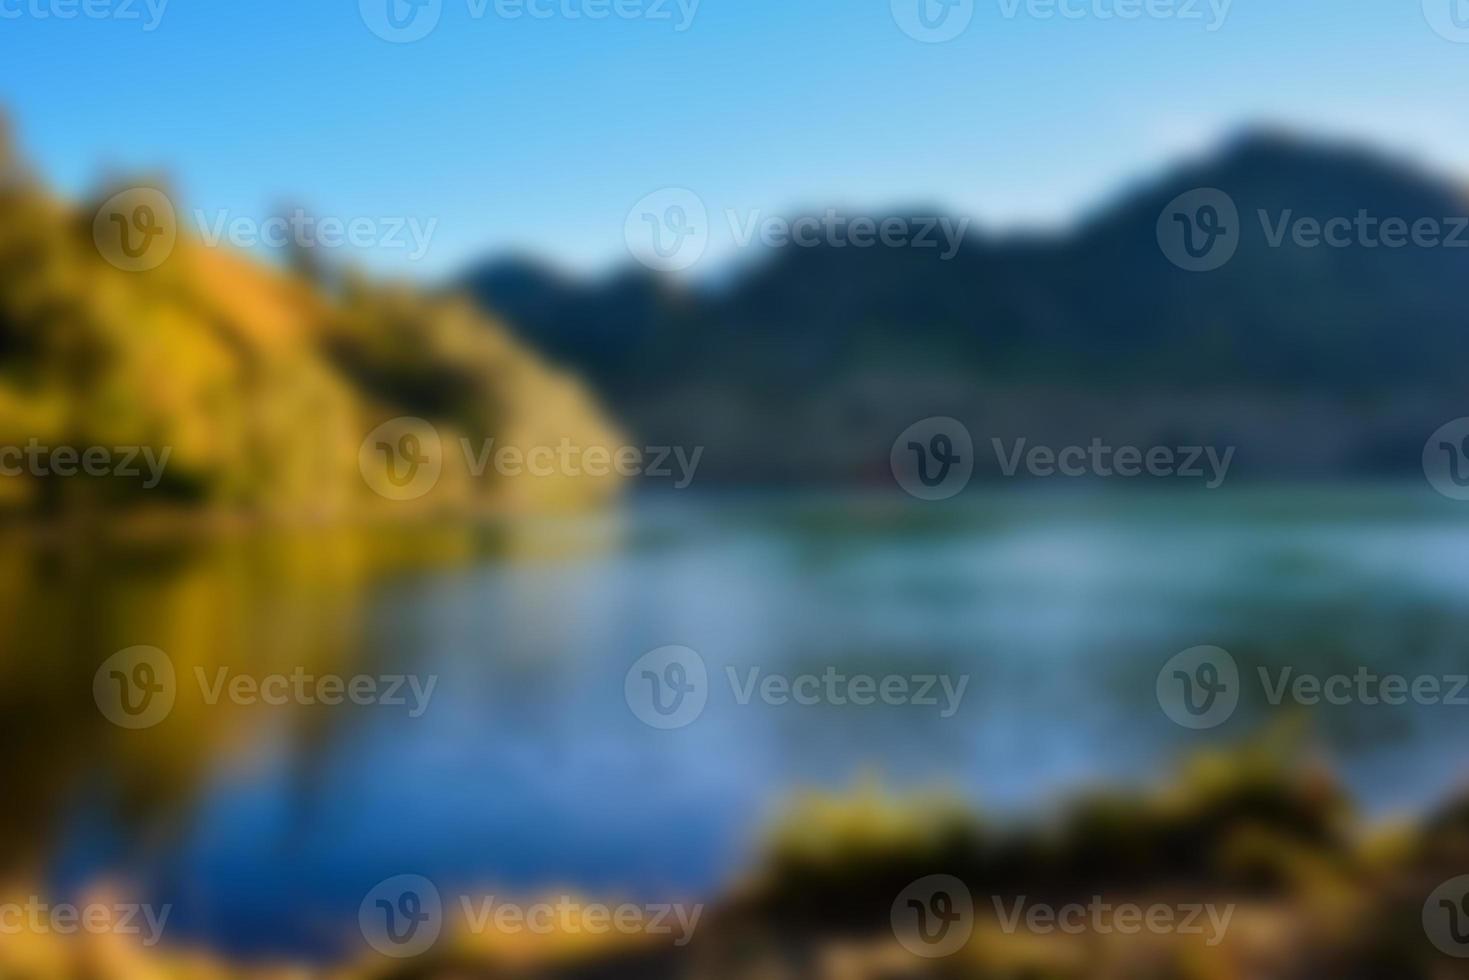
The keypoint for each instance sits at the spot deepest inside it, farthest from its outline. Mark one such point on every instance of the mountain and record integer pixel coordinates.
(1313, 360)
(260, 385)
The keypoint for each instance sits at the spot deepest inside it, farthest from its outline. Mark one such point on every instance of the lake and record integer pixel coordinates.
(530, 769)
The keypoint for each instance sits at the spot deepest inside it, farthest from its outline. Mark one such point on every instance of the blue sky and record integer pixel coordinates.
(539, 134)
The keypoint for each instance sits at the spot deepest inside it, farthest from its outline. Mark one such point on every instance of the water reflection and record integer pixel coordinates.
(528, 770)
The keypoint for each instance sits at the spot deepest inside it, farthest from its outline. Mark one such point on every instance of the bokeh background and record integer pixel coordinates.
(298, 412)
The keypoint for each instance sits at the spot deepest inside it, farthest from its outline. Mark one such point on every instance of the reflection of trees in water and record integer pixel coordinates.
(256, 604)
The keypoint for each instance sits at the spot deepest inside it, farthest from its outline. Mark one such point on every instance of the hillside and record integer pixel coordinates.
(1316, 361)
(261, 385)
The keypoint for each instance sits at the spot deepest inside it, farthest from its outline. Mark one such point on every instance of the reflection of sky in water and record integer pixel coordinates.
(529, 772)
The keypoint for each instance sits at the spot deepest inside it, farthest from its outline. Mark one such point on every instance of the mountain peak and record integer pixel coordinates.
(1282, 154)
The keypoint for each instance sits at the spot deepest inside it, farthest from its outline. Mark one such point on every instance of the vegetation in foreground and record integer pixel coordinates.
(1315, 893)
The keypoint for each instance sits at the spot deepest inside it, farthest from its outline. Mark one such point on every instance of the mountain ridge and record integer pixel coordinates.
(1067, 325)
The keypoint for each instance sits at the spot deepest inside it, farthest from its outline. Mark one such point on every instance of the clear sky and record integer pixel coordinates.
(539, 133)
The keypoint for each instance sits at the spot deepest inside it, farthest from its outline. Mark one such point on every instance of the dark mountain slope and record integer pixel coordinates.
(1318, 360)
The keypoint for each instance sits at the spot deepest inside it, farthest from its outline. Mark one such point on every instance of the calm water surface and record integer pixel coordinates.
(529, 772)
